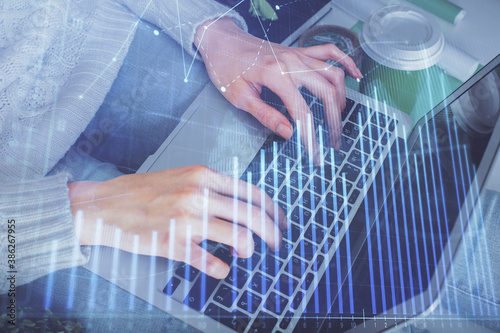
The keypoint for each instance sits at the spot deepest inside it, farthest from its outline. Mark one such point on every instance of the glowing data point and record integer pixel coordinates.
(282, 73)
(223, 89)
(205, 27)
(326, 68)
(359, 80)
(156, 32)
(277, 7)
(80, 97)
(186, 80)
(114, 59)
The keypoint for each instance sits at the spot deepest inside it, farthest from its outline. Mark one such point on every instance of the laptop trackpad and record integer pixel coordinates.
(215, 139)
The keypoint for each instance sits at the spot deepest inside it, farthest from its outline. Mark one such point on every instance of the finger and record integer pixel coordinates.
(333, 74)
(247, 194)
(333, 98)
(239, 238)
(299, 110)
(268, 116)
(331, 52)
(206, 262)
(249, 216)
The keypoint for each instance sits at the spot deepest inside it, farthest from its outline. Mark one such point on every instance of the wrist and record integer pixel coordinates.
(82, 196)
(220, 25)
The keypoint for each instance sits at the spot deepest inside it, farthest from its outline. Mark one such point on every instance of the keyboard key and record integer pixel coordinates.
(249, 263)
(360, 114)
(357, 158)
(337, 157)
(187, 272)
(306, 250)
(392, 125)
(281, 163)
(362, 181)
(319, 185)
(288, 195)
(298, 180)
(353, 197)
(271, 265)
(335, 230)
(264, 323)
(334, 202)
(310, 200)
(346, 144)
(274, 178)
(379, 119)
(286, 285)
(373, 132)
(235, 320)
(258, 244)
(260, 283)
(342, 186)
(318, 262)
(350, 130)
(297, 300)
(171, 286)
(237, 277)
(224, 254)
(225, 295)
(287, 318)
(378, 152)
(275, 303)
(365, 145)
(292, 233)
(269, 190)
(385, 138)
(249, 301)
(349, 103)
(290, 150)
(324, 217)
(300, 215)
(306, 165)
(350, 172)
(315, 233)
(369, 167)
(328, 171)
(328, 244)
(296, 267)
(284, 251)
(286, 208)
(200, 292)
(308, 281)
(345, 212)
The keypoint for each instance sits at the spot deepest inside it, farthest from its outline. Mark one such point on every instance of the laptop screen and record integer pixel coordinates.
(420, 211)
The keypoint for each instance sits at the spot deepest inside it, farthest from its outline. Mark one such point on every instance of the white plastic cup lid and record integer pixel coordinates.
(403, 38)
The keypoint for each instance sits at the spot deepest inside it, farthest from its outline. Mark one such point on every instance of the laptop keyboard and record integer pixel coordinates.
(269, 291)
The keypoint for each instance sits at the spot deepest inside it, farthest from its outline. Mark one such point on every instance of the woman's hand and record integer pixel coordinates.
(240, 65)
(180, 208)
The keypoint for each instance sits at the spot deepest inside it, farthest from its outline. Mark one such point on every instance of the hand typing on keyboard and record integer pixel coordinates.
(168, 213)
(240, 65)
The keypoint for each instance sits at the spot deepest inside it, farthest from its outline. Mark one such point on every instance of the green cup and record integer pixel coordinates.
(401, 46)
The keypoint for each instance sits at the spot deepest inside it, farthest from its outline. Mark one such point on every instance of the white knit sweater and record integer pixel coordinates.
(58, 60)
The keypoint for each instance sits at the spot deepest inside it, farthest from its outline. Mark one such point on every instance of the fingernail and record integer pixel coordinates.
(284, 131)
(360, 75)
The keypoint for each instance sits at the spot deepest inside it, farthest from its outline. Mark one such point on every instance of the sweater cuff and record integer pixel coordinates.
(194, 16)
(44, 237)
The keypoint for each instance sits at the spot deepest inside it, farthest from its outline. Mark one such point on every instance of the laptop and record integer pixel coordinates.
(360, 252)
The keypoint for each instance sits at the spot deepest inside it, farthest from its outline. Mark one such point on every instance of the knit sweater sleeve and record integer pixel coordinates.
(180, 18)
(38, 236)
